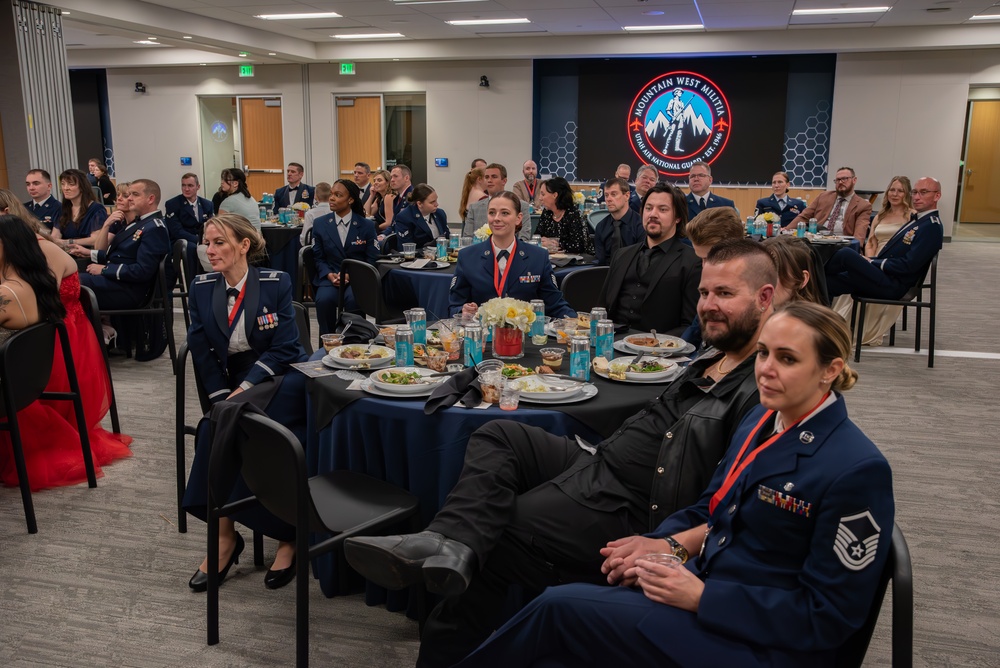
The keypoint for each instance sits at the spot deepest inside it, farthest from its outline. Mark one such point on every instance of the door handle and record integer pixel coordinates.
(265, 171)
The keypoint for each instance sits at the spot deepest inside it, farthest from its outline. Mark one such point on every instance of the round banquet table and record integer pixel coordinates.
(429, 288)
(393, 440)
(282, 244)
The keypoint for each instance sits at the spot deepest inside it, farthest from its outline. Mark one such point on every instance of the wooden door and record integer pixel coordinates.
(981, 179)
(263, 152)
(359, 132)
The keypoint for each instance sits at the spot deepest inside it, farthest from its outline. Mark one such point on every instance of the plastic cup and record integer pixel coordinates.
(437, 360)
(331, 341)
(510, 396)
(491, 383)
(668, 560)
(409, 251)
(553, 357)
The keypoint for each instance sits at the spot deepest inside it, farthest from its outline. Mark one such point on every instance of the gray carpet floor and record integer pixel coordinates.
(104, 582)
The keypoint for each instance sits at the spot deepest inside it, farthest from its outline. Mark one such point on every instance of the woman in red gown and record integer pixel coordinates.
(48, 428)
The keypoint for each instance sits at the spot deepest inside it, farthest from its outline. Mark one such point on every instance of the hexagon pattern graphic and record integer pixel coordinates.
(807, 152)
(557, 153)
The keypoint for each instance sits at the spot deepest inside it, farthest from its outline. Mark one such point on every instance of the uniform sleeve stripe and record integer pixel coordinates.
(217, 393)
(264, 367)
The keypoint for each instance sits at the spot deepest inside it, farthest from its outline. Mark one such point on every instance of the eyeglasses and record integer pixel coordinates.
(923, 193)
(842, 179)
(697, 176)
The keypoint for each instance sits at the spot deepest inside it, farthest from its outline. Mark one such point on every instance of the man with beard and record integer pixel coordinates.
(653, 284)
(535, 509)
(841, 210)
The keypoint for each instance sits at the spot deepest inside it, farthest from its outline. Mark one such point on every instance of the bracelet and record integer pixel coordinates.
(677, 549)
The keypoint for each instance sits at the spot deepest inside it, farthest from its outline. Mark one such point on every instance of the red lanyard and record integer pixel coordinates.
(738, 466)
(236, 305)
(498, 282)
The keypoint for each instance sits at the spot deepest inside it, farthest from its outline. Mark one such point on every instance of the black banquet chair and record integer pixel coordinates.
(914, 298)
(25, 365)
(158, 302)
(582, 288)
(342, 503)
(89, 302)
(899, 570)
(366, 284)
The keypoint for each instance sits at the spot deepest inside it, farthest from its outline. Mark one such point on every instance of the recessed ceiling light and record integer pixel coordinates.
(272, 53)
(486, 22)
(203, 64)
(243, 54)
(985, 17)
(302, 15)
(65, 13)
(691, 26)
(377, 35)
(152, 38)
(653, 12)
(144, 41)
(186, 37)
(840, 10)
(432, 2)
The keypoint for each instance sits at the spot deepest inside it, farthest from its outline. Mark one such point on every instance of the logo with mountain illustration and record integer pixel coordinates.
(677, 119)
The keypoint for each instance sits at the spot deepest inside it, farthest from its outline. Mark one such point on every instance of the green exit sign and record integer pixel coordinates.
(347, 68)
(246, 70)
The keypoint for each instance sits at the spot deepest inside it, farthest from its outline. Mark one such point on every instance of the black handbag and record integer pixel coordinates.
(355, 328)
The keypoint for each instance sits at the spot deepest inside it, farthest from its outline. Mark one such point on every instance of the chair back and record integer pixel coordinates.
(366, 284)
(389, 244)
(181, 271)
(88, 300)
(305, 274)
(25, 365)
(898, 569)
(918, 288)
(273, 464)
(596, 216)
(582, 288)
(302, 323)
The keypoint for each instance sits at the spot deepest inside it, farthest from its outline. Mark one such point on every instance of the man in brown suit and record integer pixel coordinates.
(841, 211)
(527, 188)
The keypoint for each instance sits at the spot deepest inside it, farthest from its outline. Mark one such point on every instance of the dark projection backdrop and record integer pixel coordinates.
(777, 116)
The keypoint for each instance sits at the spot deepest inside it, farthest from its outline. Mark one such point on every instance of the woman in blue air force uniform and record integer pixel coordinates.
(242, 338)
(422, 222)
(523, 272)
(780, 203)
(343, 234)
(787, 544)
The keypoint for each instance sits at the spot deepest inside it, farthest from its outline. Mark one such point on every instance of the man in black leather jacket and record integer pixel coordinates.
(534, 509)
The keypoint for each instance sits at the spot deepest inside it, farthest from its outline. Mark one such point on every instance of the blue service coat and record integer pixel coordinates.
(896, 269)
(530, 277)
(92, 220)
(304, 193)
(635, 202)
(793, 207)
(604, 234)
(790, 565)
(47, 212)
(131, 263)
(185, 221)
(268, 321)
(711, 202)
(329, 252)
(401, 201)
(412, 227)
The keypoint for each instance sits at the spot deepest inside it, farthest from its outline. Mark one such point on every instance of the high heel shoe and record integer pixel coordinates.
(276, 579)
(199, 581)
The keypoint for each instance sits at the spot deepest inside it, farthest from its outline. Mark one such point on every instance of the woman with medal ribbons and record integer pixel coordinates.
(242, 338)
(781, 555)
(502, 266)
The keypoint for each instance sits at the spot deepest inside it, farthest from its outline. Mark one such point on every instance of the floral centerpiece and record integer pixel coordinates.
(300, 209)
(510, 319)
(579, 199)
(483, 233)
(765, 219)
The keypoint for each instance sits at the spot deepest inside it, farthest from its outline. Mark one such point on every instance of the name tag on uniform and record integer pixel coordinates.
(267, 321)
(783, 501)
(530, 278)
(359, 242)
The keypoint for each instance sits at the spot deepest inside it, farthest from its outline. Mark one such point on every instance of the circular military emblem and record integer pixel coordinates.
(676, 119)
(219, 131)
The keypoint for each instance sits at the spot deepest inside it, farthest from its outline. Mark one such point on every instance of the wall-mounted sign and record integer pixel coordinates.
(185, 162)
(440, 162)
(347, 68)
(677, 119)
(246, 70)
(219, 132)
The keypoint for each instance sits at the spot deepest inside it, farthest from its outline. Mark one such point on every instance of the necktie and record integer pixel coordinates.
(642, 262)
(701, 202)
(502, 258)
(342, 230)
(781, 204)
(616, 240)
(232, 294)
(831, 222)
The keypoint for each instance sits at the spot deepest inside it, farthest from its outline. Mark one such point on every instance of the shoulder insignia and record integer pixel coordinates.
(159, 222)
(206, 278)
(935, 219)
(857, 540)
(454, 280)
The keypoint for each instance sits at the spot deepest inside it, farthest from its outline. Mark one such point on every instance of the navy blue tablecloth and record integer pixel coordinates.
(282, 244)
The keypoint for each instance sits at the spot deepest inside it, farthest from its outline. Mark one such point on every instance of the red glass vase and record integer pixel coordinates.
(508, 342)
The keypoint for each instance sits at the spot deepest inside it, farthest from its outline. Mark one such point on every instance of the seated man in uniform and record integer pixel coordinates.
(654, 284)
(42, 204)
(505, 520)
(123, 275)
(187, 213)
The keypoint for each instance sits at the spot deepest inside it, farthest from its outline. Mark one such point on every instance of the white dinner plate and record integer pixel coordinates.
(368, 386)
(335, 362)
(678, 343)
(589, 392)
(642, 378)
(622, 347)
(669, 368)
(415, 389)
(430, 265)
(558, 389)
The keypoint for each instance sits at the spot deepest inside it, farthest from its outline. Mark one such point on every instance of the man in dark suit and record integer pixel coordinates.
(701, 197)
(621, 227)
(654, 285)
(362, 178)
(295, 191)
(187, 213)
(122, 275)
(841, 210)
(624, 171)
(42, 204)
(645, 178)
(903, 259)
(400, 181)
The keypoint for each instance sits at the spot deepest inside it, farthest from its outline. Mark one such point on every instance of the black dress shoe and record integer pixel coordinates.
(397, 562)
(278, 579)
(199, 581)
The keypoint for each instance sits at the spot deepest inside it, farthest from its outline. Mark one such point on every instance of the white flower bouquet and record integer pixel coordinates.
(483, 233)
(507, 312)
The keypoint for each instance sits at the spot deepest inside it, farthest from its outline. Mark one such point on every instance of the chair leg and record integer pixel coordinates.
(916, 332)
(859, 333)
(81, 419)
(213, 576)
(930, 337)
(302, 562)
(892, 332)
(180, 436)
(904, 320)
(258, 549)
(22, 473)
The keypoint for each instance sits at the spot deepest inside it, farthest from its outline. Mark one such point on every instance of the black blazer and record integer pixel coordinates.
(672, 298)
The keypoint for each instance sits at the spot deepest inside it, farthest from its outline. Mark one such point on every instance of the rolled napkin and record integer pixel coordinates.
(562, 261)
(463, 386)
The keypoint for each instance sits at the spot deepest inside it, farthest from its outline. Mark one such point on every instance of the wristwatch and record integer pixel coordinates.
(677, 549)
